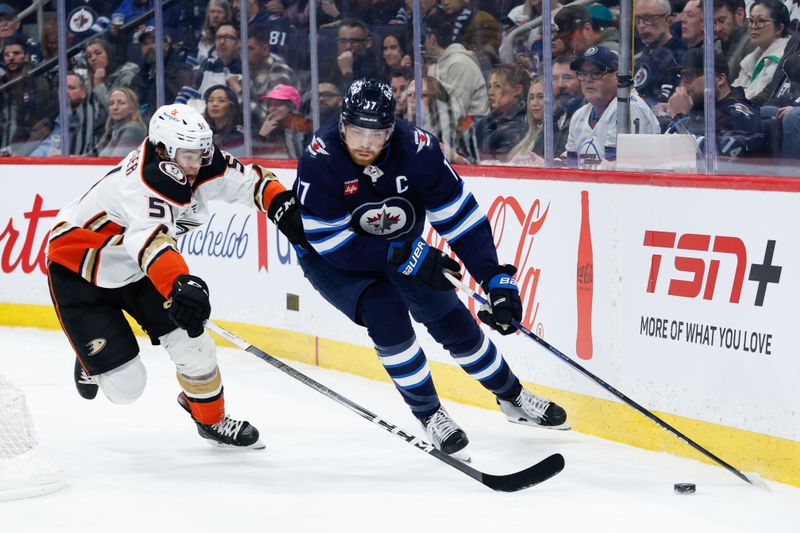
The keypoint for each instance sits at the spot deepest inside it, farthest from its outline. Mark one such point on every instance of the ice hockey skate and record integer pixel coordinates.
(228, 432)
(446, 435)
(87, 387)
(532, 410)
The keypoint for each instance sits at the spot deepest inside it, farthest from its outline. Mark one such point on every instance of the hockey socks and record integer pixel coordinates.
(204, 396)
(408, 367)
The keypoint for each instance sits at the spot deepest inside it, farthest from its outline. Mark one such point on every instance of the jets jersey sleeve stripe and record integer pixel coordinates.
(333, 242)
(314, 225)
(446, 212)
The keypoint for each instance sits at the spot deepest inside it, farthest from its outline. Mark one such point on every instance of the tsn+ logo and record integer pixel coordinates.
(703, 265)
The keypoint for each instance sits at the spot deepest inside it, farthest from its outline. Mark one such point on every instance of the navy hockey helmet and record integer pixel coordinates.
(368, 104)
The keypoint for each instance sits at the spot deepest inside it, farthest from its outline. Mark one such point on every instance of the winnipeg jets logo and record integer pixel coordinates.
(640, 78)
(81, 20)
(173, 171)
(95, 346)
(421, 139)
(390, 218)
(316, 147)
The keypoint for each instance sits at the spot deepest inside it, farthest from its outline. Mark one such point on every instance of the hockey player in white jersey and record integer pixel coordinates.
(113, 249)
(592, 137)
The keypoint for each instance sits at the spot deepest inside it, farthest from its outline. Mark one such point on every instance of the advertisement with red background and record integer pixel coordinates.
(654, 286)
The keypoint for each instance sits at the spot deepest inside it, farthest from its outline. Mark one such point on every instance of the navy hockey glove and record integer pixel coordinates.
(284, 212)
(503, 295)
(190, 307)
(423, 263)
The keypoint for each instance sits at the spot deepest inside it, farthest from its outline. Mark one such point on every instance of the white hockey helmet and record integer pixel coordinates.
(181, 126)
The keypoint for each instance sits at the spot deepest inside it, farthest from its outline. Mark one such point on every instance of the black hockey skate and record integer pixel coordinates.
(87, 387)
(446, 435)
(228, 432)
(532, 410)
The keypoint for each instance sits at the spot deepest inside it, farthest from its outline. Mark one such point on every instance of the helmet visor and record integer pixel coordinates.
(192, 157)
(359, 138)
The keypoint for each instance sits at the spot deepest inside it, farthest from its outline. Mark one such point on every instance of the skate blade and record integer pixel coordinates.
(257, 445)
(525, 422)
(461, 455)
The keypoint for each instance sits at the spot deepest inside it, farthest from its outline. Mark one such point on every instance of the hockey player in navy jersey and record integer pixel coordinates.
(114, 249)
(365, 187)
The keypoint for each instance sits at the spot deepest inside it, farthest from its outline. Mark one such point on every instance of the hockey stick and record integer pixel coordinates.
(480, 299)
(533, 475)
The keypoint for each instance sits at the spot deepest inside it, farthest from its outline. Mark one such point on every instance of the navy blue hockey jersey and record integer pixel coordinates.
(351, 213)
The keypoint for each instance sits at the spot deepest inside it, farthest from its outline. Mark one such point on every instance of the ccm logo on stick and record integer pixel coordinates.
(704, 270)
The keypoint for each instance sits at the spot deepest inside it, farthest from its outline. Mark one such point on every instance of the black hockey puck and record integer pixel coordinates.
(685, 488)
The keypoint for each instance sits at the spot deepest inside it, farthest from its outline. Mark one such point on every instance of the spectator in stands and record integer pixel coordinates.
(403, 15)
(49, 39)
(398, 81)
(739, 132)
(267, 16)
(104, 71)
(24, 106)
(86, 121)
(223, 114)
(224, 67)
(395, 56)
(438, 117)
(525, 12)
(10, 26)
(217, 12)
(355, 57)
(529, 151)
(146, 81)
(784, 99)
(580, 31)
(505, 125)
(281, 134)
(456, 67)
(692, 23)
(125, 129)
(266, 71)
(655, 76)
(730, 29)
(330, 102)
(477, 30)
(592, 138)
(567, 97)
(769, 31)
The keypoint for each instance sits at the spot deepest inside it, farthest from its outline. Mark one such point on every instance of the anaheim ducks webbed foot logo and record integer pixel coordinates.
(390, 218)
(95, 346)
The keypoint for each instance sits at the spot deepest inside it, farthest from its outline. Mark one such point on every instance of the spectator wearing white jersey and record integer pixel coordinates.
(593, 130)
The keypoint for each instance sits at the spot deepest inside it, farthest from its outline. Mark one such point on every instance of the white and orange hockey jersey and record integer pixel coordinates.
(126, 225)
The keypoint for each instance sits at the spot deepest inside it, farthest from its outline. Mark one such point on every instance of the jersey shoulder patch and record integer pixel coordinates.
(165, 178)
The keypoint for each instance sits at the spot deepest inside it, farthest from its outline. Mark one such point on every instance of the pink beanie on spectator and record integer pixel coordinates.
(283, 92)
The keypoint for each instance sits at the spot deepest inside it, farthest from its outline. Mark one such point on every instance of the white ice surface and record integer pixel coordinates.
(143, 468)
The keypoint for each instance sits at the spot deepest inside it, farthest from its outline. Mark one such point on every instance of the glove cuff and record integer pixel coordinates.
(501, 277)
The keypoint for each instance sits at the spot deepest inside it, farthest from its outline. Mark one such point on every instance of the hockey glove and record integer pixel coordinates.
(423, 263)
(284, 212)
(503, 295)
(190, 307)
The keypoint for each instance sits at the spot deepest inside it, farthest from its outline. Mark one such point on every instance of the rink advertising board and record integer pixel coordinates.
(677, 290)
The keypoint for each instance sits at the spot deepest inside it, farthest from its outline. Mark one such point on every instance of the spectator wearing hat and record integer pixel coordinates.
(580, 31)
(739, 132)
(266, 71)
(730, 30)
(655, 75)
(10, 27)
(24, 106)
(280, 136)
(593, 130)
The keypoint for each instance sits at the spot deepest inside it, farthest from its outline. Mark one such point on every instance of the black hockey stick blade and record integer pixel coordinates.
(533, 475)
(457, 283)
